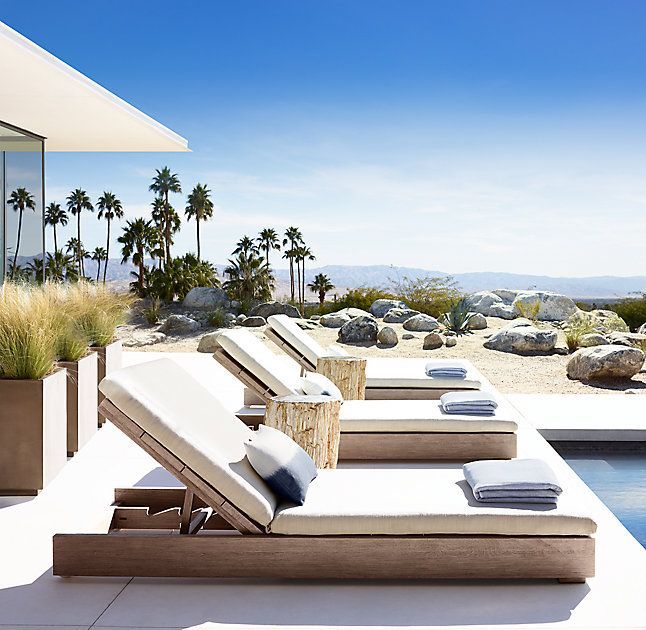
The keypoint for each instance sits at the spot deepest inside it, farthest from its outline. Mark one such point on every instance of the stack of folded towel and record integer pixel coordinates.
(446, 369)
(473, 403)
(512, 481)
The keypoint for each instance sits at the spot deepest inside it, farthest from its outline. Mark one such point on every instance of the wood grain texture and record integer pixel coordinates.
(153, 554)
(109, 360)
(347, 373)
(312, 422)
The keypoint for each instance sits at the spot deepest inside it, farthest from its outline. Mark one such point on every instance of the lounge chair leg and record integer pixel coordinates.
(187, 509)
(571, 580)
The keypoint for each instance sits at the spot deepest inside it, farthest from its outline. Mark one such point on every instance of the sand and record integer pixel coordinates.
(509, 373)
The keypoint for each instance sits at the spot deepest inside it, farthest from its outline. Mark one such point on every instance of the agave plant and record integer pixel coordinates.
(458, 318)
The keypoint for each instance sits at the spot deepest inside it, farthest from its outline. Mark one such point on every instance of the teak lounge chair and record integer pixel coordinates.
(386, 378)
(365, 524)
(373, 429)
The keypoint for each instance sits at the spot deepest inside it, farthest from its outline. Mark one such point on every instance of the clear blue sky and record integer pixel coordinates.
(461, 136)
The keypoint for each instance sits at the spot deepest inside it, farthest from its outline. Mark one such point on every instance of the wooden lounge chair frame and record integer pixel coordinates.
(388, 445)
(372, 393)
(196, 532)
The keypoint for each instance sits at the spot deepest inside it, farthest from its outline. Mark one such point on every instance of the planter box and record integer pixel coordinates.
(109, 360)
(82, 400)
(33, 433)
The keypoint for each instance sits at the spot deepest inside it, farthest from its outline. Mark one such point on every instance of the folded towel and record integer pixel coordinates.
(475, 403)
(512, 481)
(446, 369)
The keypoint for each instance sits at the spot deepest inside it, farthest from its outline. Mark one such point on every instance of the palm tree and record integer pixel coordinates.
(139, 237)
(302, 254)
(249, 279)
(55, 215)
(293, 237)
(78, 201)
(98, 255)
(321, 285)
(268, 240)
(61, 267)
(20, 199)
(245, 246)
(165, 182)
(73, 246)
(111, 208)
(199, 206)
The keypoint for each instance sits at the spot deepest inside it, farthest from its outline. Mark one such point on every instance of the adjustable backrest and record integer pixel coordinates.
(290, 332)
(191, 423)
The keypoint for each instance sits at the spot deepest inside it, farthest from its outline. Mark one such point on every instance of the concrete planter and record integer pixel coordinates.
(33, 432)
(82, 400)
(109, 361)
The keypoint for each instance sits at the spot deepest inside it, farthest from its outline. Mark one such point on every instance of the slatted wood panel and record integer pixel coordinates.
(289, 350)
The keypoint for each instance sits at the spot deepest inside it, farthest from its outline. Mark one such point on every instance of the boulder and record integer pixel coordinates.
(552, 306)
(267, 309)
(387, 336)
(241, 318)
(209, 343)
(593, 339)
(334, 320)
(627, 338)
(642, 329)
(421, 323)
(354, 312)
(433, 341)
(450, 342)
(315, 318)
(483, 301)
(504, 311)
(380, 307)
(506, 295)
(359, 330)
(522, 338)
(477, 322)
(608, 321)
(408, 336)
(399, 315)
(254, 321)
(179, 325)
(605, 363)
(139, 339)
(206, 298)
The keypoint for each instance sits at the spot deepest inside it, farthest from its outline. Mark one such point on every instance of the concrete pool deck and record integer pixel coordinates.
(78, 500)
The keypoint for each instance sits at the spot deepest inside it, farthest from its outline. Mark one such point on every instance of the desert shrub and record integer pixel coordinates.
(362, 298)
(218, 318)
(584, 306)
(152, 312)
(178, 277)
(631, 310)
(577, 326)
(27, 334)
(431, 295)
(529, 311)
(457, 319)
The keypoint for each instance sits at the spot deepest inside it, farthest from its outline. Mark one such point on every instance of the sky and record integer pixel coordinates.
(455, 136)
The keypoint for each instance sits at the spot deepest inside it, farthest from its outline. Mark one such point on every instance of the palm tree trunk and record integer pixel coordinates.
(15, 256)
(197, 221)
(303, 291)
(107, 253)
(141, 273)
(98, 269)
(167, 229)
(55, 239)
(291, 277)
(78, 244)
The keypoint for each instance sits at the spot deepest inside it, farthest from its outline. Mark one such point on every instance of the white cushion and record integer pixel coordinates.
(421, 501)
(336, 351)
(245, 348)
(314, 384)
(289, 331)
(419, 416)
(411, 373)
(167, 403)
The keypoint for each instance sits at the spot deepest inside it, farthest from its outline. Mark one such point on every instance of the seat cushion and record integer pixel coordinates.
(252, 354)
(411, 373)
(314, 384)
(420, 501)
(290, 332)
(419, 416)
(183, 416)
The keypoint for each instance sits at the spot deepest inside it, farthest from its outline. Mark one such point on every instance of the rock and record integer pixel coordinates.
(408, 336)
(354, 312)
(399, 315)
(209, 343)
(593, 339)
(241, 318)
(387, 336)
(334, 320)
(380, 307)
(179, 325)
(504, 311)
(421, 323)
(627, 339)
(267, 309)
(359, 330)
(206, 298)
(433, 341)
(254, 321)
(522, 338)
(506, 295)
(608, 321)
(139, 339)
(450, 342)
(642, 329)
(552, 306)
(477, 322)
(605, 363)
(305, 325)
(315, 318)
(483, 301)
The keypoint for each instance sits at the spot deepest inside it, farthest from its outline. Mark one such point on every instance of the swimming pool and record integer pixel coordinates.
(618, 479)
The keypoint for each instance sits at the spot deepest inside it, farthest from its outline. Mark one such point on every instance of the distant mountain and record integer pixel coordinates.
(352, 276)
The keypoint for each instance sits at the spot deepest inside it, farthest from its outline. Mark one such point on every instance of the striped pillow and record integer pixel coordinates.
(286, 468)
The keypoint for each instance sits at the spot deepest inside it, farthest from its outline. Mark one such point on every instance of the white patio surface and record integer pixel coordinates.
(78, 501)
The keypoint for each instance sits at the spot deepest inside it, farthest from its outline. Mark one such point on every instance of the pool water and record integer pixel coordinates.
(619, 480)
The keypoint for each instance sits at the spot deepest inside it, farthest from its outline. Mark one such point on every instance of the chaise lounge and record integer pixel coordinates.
(373, 429)
(361, 524)
(386, 378)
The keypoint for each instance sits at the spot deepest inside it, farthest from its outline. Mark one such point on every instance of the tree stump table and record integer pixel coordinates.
(347, 373)
(312, 422)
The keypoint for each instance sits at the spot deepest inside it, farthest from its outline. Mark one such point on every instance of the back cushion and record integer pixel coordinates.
(166, 402)
(287, 329)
